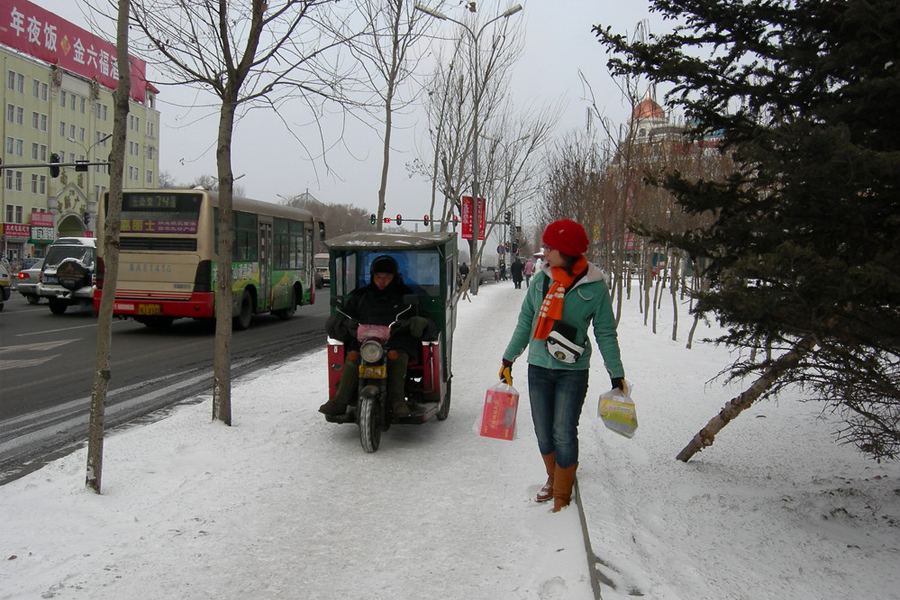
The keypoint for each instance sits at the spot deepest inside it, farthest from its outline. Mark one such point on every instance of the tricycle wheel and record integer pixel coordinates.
(444, 411)
(369, 420)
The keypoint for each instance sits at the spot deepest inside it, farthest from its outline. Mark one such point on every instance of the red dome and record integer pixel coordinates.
(648, 109)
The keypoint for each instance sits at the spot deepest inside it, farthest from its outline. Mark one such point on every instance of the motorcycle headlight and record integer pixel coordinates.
(371, 351)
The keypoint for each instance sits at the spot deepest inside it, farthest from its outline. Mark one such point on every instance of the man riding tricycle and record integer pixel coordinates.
(390, 331)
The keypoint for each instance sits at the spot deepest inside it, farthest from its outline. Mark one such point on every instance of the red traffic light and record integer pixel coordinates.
(399, 219)
(425, 220)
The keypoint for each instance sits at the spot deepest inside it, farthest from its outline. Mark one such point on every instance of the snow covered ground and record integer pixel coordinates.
(285, 505)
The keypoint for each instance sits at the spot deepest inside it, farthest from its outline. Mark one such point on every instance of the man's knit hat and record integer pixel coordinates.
(384, 264)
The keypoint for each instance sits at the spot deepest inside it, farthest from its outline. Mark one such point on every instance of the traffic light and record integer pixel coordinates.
(399, 219)
(509, 217)
(54, 169)
(87, 219)
(425, 220)
(373, 219)
(387, 219)
(506, 245)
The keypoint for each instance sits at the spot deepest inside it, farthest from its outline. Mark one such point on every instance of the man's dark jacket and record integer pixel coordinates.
(371, 306)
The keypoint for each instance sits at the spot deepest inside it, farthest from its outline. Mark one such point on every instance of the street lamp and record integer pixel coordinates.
(474, 271)
(87, 183)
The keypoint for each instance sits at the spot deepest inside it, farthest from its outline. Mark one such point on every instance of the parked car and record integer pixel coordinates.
(67, 277)
(28, 278)
(27, 263)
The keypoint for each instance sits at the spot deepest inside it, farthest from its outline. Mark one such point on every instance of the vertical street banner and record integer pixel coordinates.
(467, 213)
(472, 212)
(479, 214)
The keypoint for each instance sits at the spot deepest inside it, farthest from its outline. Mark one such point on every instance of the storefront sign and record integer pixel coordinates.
(15, 230)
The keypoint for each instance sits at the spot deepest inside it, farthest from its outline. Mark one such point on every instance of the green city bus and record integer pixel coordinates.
(167, 259)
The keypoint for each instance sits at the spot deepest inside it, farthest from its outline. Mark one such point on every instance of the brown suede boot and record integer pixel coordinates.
(546, 492)
(563, 480)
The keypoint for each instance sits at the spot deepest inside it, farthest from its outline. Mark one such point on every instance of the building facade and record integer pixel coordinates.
(56, 94)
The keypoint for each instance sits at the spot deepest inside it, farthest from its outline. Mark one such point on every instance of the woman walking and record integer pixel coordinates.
(568, 294)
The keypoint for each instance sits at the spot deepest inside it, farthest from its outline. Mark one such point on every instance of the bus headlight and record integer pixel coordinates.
(371, 351)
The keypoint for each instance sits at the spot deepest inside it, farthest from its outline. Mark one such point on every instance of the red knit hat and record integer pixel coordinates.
(567, 236)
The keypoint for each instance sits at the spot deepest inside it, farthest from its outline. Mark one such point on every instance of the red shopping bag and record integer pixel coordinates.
(498, 418)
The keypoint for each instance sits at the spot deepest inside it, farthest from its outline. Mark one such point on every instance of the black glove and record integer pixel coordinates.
(339, 327)
(417, 326)
(618, 383)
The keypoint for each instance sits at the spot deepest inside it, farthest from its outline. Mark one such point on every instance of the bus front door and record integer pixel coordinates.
(265, 266)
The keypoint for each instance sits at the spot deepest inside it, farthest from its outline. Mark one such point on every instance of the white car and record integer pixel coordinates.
(4, 282)
(67, 278)
(27, 281)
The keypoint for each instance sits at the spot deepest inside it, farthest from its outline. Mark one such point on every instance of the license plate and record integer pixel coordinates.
(373, 371)
(149, 309)
(51, 280)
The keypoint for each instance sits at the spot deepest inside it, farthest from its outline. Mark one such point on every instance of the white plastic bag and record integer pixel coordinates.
(617, 410)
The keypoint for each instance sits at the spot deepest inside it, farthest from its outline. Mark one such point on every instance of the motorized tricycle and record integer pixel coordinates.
(427, 262)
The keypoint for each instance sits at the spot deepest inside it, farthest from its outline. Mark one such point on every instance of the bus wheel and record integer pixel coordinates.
(242, 321)
(286, 313)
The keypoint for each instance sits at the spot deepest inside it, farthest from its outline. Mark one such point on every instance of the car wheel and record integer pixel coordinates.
(33, 298)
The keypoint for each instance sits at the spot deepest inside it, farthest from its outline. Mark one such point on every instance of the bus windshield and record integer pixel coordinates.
(160, 212)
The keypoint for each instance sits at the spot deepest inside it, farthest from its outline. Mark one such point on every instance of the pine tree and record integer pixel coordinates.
(804, 252)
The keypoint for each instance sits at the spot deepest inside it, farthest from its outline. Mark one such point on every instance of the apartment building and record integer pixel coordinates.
(56, 94)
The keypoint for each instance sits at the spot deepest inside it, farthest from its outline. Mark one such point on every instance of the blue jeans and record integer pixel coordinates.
(557, 396)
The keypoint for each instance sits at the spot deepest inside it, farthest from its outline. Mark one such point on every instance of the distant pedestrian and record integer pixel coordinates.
(528, 271)
(516, 269)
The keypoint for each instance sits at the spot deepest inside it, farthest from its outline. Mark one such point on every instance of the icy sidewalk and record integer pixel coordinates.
(285, 505)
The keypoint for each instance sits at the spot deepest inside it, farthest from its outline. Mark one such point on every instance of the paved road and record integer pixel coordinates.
(47, 363)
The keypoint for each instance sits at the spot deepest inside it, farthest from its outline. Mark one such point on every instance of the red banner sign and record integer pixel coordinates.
(472, 212)
(15, 230)
(467, 212)
(42, 219)
(39, 33)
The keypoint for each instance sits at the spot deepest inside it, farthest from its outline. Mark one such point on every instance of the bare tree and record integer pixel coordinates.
(94, 472)
(246, 53)
(385, 52)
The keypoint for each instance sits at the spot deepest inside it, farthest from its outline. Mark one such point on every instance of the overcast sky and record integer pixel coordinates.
(558, 43)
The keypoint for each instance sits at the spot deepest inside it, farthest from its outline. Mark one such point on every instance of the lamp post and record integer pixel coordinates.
(474, 272)
(87, 183)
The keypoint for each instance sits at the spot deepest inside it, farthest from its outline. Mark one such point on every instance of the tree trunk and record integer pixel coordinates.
(735, 406)
(676, 266)
(221, 408)
(94, 474)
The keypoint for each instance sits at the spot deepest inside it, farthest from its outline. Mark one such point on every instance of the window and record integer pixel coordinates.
(149, 151)
(16, 82)
(246, 234)
(62, 98)
(39, 90)
(151, 128)
(38, 184)
(72, 101)
(36, 120)
(82, 105)
(149, 177)
(43, 122)
(81, 134)
(289, 246)
(34, 151)
(14, 213)
(15, 114)
(62, 129)
(71, 132)
(10, 144)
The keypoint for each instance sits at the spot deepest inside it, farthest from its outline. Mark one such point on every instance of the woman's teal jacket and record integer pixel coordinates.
(588, 300)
